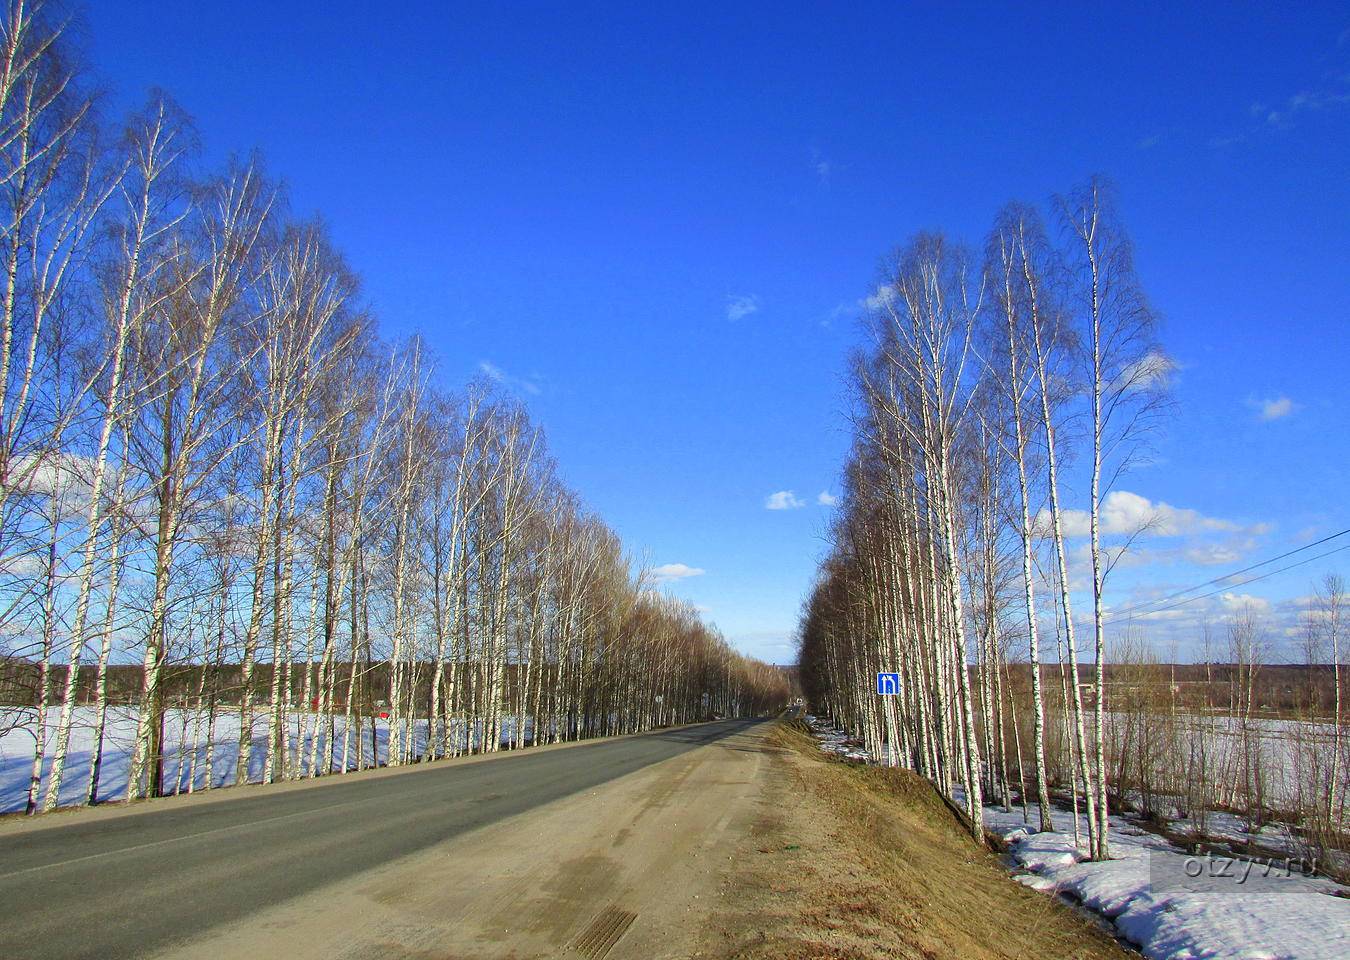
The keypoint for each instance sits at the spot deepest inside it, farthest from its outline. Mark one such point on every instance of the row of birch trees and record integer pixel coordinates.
(996, 401)
(216, 475)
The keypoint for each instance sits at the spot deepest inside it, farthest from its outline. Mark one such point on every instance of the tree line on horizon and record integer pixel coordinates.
(209, 457)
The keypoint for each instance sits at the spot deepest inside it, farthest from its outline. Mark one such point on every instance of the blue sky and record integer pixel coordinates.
(656, 224)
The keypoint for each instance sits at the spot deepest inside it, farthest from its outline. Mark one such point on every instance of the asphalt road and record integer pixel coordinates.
(138, 884)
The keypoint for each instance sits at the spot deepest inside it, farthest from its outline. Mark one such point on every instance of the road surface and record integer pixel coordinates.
(590, 850)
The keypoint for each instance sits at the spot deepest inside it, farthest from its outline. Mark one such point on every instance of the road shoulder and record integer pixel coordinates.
(849, 861)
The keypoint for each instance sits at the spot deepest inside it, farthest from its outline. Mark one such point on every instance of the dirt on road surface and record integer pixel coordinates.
(751, 846)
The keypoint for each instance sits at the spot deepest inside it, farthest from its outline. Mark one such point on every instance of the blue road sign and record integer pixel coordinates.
(888, 684)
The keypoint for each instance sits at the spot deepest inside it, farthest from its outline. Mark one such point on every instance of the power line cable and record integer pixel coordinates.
(1228, 576)
(1123, 614)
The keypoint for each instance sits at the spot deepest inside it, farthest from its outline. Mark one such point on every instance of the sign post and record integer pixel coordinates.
(888, 684)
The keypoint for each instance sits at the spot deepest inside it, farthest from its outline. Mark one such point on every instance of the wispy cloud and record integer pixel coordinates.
(845, 310)
(1315, 99)
(671, 572)
(1273, 408)
(1330, 92)
(821, 166)
(1148, 142)
(497, 375)
(1149, 371)
(825, 499)
(783, 500)
(740, 307)
(772, 646)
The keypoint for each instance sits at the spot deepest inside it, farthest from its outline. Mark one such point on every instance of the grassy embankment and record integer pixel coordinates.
(876, 865)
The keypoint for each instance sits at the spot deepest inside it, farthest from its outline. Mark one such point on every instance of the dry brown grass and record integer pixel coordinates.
(856, 863)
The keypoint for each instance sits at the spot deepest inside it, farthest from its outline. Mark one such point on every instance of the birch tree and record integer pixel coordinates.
(1016, 264)
(1126, 378)
(187, 426)
(136, 285)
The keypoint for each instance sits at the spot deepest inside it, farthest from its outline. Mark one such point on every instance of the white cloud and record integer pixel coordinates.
(1274, 408)
(1137, 533)
(825, 499)
(671, 572)
(740, 307)
(66, 478)
(1124, 512)
(500, 376)
(20, 567)
(885, 296)
(1235, 603)
(783, 500)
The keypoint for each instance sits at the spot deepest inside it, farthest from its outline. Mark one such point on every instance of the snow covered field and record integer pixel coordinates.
(192, 744)
(1289, 758)
(1163, 899)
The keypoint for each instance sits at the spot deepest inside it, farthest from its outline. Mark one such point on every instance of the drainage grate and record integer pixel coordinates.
(603, 932)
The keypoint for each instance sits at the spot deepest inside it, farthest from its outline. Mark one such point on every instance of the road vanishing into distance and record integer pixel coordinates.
(594, 849)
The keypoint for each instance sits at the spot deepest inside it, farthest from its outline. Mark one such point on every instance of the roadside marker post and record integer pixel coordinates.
(888, 684)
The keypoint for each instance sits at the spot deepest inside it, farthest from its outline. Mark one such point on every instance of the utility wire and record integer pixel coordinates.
(1141, 609)
(1228, 576)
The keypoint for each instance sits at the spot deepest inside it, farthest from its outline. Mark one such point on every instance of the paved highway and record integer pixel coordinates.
(158, 880)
